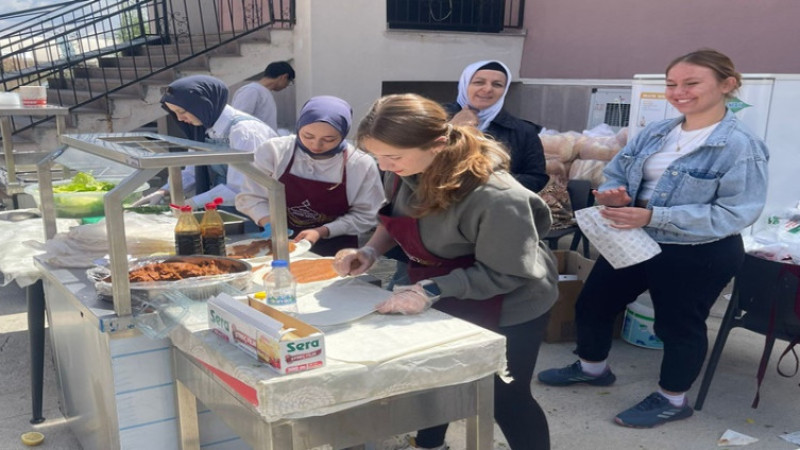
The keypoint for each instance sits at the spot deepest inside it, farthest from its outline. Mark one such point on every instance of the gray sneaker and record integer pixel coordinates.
(573, 374)
(653, 410)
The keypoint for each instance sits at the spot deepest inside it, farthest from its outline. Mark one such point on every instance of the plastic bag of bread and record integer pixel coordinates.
(588, 169)
(556, 168)
(622, 137)
(600, 148)
(558, 146)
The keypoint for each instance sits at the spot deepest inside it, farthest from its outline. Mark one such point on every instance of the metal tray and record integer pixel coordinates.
(197, 288)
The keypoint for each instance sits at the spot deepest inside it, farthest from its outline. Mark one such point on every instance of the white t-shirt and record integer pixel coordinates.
(676, 144)
(256, 100)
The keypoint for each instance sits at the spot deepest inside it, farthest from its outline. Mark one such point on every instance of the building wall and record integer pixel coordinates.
(343, 48)
(620, 38)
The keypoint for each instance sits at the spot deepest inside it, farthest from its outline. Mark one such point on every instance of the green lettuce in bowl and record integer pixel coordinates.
(82, 195)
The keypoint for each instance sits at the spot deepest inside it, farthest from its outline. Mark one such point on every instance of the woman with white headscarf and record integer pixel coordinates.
(482, 89)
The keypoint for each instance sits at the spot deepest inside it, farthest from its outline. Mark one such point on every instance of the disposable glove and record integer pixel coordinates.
(410, 299)
(152, 199)
(350, 261)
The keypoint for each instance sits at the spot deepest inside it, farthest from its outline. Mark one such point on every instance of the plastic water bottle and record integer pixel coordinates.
(281, 288)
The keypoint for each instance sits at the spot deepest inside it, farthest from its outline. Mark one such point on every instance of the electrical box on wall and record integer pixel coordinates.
(610, 106)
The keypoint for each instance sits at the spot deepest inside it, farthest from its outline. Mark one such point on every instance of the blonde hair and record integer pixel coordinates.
(467, 160)
(719, 63)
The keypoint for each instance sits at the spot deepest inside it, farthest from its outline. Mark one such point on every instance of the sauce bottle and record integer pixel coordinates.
(212, 230)
(187, 233)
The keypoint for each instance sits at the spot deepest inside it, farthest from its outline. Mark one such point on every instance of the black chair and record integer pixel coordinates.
(759, 286)
(580, 196)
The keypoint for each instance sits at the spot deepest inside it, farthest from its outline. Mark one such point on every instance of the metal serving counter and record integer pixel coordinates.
(384, 375)
(119, 389)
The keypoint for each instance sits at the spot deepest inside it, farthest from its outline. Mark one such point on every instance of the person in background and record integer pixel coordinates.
(471, 232)
(482, 89)
(256, 98)
(692, 183)
(333, 190)
(198, 103)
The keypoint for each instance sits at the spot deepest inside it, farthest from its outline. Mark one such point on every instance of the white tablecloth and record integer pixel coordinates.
(369, 359)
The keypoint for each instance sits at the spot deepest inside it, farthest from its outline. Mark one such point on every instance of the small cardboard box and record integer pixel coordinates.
(286, 344)
(301, 349)
(573, 269)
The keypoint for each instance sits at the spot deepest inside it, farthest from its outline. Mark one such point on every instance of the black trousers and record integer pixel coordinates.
(683, 280)
(522, 420)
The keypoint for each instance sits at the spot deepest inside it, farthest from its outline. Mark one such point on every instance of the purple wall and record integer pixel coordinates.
(620, 38)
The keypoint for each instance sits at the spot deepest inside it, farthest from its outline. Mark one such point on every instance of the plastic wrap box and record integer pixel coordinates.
(284, 343)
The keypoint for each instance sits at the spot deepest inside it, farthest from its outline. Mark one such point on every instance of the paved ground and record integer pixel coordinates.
(580, 417)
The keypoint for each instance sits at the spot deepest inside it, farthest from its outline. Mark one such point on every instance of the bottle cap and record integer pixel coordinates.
(186, 208)
(280, 263)
(218, 201)
(32, 438)
(211, 205)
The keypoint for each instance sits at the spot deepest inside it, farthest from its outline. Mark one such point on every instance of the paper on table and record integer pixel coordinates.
(340, 302)
(621, 248)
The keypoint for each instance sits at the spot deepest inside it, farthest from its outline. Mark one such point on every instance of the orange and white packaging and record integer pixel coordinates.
(286, 344)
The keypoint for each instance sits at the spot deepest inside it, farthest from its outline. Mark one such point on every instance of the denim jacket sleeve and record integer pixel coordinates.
(706, 195)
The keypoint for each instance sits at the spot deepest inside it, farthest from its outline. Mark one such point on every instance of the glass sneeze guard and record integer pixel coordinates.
(136, 158)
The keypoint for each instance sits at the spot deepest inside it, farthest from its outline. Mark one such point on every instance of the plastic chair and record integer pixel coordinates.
(580, 196)
(759, 286)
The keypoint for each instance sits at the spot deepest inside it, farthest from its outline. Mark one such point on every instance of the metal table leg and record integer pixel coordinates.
(35, 297)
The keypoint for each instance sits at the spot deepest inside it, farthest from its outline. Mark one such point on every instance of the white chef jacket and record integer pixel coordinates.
(364, 187)
(256, 100)
(245, 135)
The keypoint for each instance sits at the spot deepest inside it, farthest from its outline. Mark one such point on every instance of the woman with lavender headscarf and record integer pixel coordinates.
(482, 89)
(333, 190)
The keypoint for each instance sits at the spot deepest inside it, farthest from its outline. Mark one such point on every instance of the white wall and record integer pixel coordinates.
(343, 48)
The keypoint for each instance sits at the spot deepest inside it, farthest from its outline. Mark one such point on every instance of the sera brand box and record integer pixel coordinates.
(286, 344)
(300, 347)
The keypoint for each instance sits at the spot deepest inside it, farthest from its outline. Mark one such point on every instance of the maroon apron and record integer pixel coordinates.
(423, 265)
(311, 204)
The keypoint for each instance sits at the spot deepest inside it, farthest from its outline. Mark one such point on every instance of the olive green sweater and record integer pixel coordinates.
(500, 223)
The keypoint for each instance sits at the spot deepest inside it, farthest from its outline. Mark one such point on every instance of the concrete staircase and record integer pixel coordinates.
(138, 105)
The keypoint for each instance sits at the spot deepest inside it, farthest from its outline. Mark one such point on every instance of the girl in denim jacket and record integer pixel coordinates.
(693, 183)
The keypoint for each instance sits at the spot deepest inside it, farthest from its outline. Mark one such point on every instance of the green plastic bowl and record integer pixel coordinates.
(82, 204)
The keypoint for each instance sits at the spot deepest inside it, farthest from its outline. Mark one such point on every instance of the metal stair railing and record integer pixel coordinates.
(123, 41)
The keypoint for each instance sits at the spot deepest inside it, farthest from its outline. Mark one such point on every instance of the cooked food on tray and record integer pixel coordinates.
(309, 270)
(179, 270)
(254, 248)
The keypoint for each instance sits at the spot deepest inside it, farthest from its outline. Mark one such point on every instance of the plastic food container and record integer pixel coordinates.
(240, 278)
(637, 329)
(81, 204)
(33, 95)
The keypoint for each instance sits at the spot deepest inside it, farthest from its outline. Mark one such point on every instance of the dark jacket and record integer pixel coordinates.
(521, 137)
